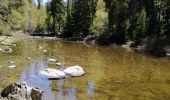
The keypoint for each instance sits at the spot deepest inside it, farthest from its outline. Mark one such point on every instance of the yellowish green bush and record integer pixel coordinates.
(101, 19)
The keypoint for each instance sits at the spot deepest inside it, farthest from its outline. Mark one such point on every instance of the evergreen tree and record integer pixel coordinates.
(39, 4)
(57, 10)
(140, 28)
(81, 19)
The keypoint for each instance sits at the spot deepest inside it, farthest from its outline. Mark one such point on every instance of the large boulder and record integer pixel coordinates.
(74, 71)
(21, 91)
(52, 73)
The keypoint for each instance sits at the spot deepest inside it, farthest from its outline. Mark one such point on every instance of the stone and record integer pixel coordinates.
(52, 73)
(74, 71)
(29, 58)
(21, 91)
(58, 64)
(11, 62)
(168, 54)
(51, 60)
(12, 66)
(45, 51)
(6, 49)
(36, 94)
(40, 47)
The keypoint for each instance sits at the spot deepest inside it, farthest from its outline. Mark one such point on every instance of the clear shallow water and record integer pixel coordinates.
(112, 73)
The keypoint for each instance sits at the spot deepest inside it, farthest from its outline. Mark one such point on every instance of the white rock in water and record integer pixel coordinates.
(44, 51)
(168, 54)
(74, 71)
(29, 58)
(40, 47)
(9, 50)
(1, 50)
(51, 60)
(11, 62)
(6, 49)
(52, 73)
(6, 43)
(58, 64)
(12, 66)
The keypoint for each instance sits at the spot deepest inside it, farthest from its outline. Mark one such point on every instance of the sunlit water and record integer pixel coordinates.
(112, 73)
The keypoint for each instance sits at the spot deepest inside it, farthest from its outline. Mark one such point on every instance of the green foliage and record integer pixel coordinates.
(79, 22)
(20, 15)
(55, 16)
(15, 20)
(4, 28)
(140, 31)
(100, 22)
(111, 21)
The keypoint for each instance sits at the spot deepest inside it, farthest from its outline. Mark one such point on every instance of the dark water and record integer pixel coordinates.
(112, 73)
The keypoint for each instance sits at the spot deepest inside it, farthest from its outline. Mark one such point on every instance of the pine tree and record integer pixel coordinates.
(39, 4)
(140, 27)
(57, 12)
(81, 19)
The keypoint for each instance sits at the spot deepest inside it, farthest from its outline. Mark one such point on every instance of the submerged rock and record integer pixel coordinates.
(45, 51)
(58, 64)
(52, 73)
(21, 91)
(74, 71)
(40, 47)
(168, 54)
(11, 62)
(51, 60)
(29, 58)
(1, 50)
(6, 43)
(6, 49)
(12, 66)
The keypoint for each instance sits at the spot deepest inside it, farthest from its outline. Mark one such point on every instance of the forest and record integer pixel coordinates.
(84, 49)
(144, 23)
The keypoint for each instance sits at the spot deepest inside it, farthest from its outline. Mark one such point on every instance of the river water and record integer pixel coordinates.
(112, 73)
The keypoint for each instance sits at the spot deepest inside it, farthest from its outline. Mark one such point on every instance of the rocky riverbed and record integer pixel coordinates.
(20, 91)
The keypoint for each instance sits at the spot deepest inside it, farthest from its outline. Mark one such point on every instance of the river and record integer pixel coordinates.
(112, 73)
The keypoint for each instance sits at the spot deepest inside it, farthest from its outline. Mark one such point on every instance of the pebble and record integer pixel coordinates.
(29, 58)
(44, 51)
(12, 66)
(58, 64)
(51, 60)
(40, 47)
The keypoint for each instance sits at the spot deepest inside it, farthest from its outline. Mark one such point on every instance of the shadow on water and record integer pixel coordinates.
(32, 78)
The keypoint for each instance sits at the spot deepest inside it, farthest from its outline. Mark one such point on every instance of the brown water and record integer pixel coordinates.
(112, 73)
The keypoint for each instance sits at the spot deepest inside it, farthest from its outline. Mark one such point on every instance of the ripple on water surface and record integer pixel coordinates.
(111, 72)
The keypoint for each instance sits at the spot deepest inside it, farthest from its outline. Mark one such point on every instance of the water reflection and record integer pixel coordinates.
(60, 94)
(32, 78)
(72, 92)
(90, 90)
(1, 78)
(111, 72)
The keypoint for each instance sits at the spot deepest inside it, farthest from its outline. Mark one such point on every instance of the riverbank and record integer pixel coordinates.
(12, 38)
(148, 49)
